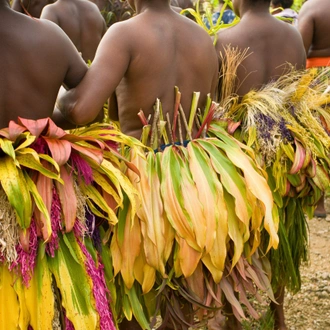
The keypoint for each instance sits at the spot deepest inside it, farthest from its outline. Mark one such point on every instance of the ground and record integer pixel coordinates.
(310, 308)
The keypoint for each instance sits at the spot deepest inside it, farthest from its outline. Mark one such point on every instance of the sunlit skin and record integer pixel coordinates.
(81, 20)
(142, 59)
(36, 58)
(314, 26)
(32, 7)
(274, 47)
(267, 39)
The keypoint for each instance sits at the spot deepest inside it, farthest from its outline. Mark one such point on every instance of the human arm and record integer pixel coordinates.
(71, 67)
(306, 26)
(82, 104)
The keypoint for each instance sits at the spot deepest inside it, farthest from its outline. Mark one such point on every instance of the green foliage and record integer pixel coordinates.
(266, 322)
(297, 5)
(202, 14)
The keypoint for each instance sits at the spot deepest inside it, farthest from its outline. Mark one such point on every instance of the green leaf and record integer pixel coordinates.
(7, 147)
(92, 193)
(74, 283)
(230, 178)
(15, 187)
(137, 308)
(29, 161)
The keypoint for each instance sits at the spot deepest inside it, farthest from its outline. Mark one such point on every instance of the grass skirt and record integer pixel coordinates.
(56, 190)
(286, 123)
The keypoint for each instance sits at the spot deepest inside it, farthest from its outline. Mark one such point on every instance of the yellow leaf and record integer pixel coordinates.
(9, 306)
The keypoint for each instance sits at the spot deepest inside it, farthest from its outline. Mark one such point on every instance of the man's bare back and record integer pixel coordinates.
(143, 59)
(33, 7)
(81, 20)
(36, 57)
(271, 44)
(314, 26)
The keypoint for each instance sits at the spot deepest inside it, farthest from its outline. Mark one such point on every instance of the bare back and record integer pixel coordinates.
(314, 26)
(31, 72)
(272, 47)
(146, 57)
(81, 20)
(182, 59)
(33, 7)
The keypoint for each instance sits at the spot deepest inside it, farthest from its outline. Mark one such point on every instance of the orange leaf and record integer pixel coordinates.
(15, 130)
(24, 238)
(60, 150)
(95, 154)
(5, 133)
(75, 138)
(68, 198)
(54, 131)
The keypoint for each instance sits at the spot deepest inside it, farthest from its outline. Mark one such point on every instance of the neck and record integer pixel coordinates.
(141, 5)
(258, 9)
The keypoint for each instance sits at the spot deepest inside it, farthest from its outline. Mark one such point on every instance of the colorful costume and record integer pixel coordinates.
(56, 189)
(286, 123)
(199, 219)
(190, 222)
(195, 239)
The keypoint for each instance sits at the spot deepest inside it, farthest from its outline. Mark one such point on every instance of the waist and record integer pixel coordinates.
(317, 62)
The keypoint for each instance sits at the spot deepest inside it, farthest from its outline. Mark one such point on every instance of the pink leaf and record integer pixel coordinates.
(60, 150)
(232, 126)
(15, 130)
(35, 127)
(68, 199)
(5, 133)
(54, 131)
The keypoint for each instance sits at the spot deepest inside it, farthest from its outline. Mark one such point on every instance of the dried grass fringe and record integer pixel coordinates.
(9, 230)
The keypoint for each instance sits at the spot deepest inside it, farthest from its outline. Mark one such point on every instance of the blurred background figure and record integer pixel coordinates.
(114, 10)
(314, 26)
(282, 9)
(228, 15)
(101, 4)
(81, 20)
(30, 7)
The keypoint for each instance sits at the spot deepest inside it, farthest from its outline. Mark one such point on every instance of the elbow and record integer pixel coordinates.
(71, 109)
